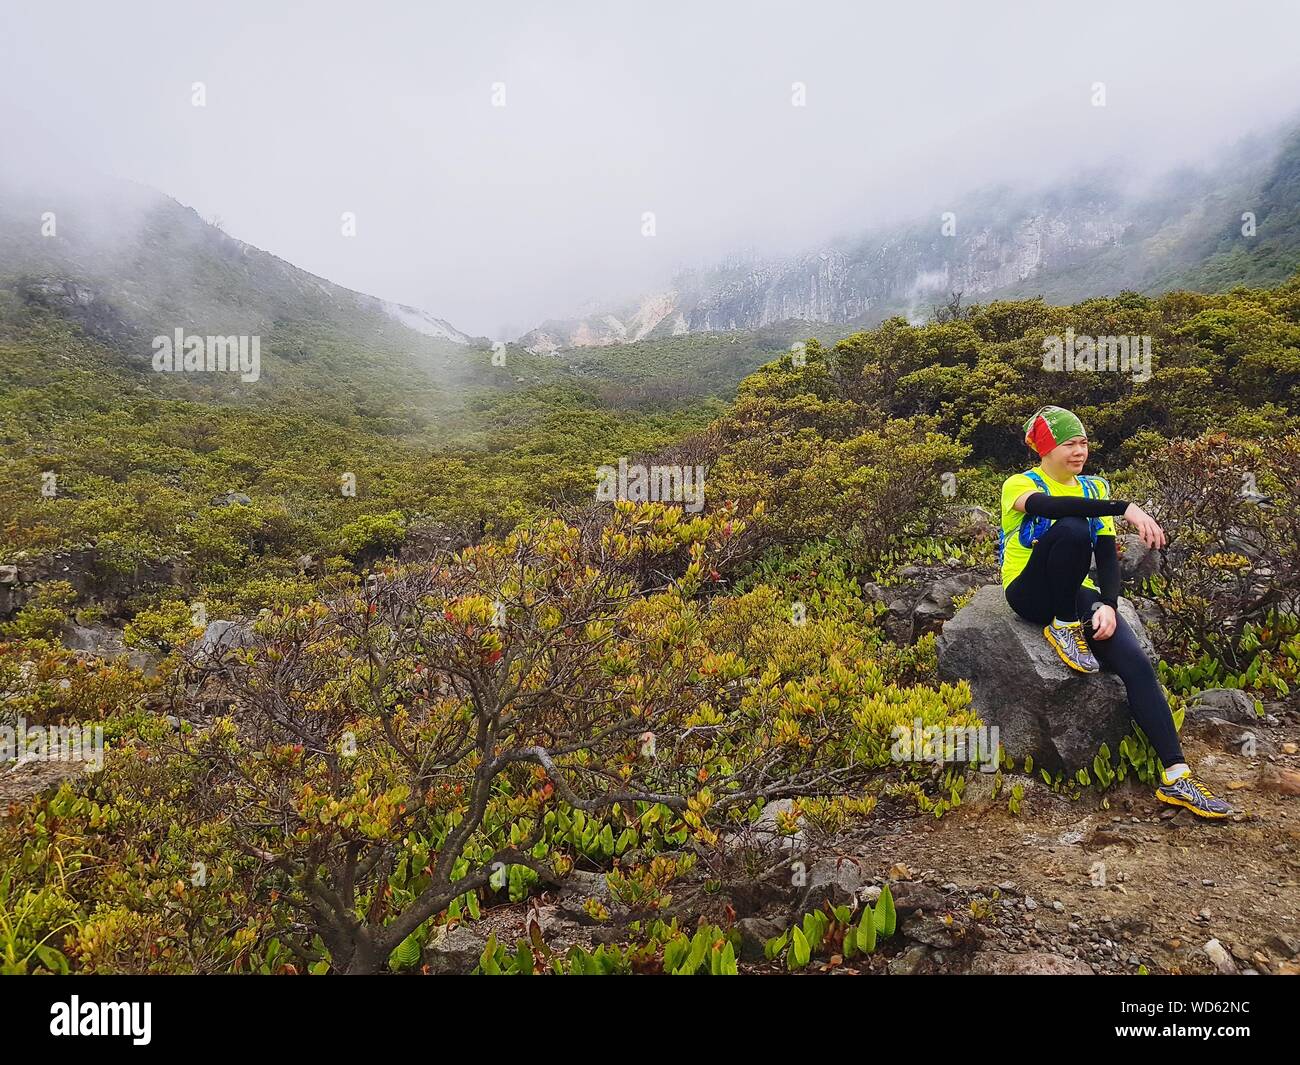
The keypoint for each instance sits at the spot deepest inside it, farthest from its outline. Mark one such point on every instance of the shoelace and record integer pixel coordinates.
(1083, 644)
(1199, 787)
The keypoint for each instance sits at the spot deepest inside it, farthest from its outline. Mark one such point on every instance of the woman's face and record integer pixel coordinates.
(1072, 454)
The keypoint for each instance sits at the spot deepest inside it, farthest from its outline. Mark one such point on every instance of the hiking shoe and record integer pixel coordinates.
(1189, 792)
(1070, 644)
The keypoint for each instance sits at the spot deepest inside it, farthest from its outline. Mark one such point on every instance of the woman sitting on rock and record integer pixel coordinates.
(1054, 519)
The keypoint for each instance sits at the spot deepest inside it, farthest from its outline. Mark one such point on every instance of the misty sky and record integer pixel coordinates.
(499, 217)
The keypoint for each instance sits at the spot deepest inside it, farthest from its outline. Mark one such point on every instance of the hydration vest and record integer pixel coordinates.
(1034, 527)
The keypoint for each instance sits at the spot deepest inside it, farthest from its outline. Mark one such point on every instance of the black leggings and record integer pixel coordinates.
(1051, 585)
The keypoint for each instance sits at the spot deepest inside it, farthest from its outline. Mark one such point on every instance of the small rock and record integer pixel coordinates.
(1287, 946)
(911, 961)
(1230, 703)
(834, 880)
(1281, 781)
(1221, 958)
(456, 951)
(754, 934)
(911, 897)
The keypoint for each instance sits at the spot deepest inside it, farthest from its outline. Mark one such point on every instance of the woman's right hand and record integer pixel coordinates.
(1151, 533)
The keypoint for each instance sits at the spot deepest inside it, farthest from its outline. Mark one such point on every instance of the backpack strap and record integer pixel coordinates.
(1042, 485)
(1032, 527)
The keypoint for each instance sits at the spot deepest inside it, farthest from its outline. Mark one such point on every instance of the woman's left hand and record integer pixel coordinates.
(1103, 622)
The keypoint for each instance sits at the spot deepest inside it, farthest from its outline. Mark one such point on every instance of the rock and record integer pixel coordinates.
(456, 951)
(944, 931)
(1220, 957)
(553, 923)
(897, 621)
(913, 961)
(765, 832)
(767, 819)
(105, 642)
(1230, 736)
(873, 592)
(232, 499)
(833, 880)
(1137, 562)
(8, 574)
(911, 896)
(578, 887)
(1230, 704)
(222, 636)
(1031, 963)
(1041, 707)
(970, 520)
(1279, 781)
(1286, 946)
(935, 605)
(754, 934)
(1149, 611)
(1244, 542)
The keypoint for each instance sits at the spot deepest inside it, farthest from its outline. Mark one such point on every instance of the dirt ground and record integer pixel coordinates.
(1140, 883)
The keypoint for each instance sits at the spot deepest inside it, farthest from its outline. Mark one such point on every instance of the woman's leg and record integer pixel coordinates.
(1122, 654)
(1047, 587)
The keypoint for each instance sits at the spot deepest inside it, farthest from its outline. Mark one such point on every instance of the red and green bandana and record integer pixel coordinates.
(1050, 426)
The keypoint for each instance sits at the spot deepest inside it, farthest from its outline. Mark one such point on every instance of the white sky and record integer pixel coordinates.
(497, 218)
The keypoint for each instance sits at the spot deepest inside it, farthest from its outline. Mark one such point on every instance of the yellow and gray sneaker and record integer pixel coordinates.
(1189, 792)
(1068, 642)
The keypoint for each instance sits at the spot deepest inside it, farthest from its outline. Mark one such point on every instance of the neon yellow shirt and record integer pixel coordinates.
(1015, 557)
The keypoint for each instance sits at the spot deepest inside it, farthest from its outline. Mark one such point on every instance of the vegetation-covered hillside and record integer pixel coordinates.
(380, 753)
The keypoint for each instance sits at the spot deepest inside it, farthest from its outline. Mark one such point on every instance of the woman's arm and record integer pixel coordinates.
(1108, 575)
(1040, 503)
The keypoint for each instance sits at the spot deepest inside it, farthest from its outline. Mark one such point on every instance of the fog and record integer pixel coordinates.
(498, 217)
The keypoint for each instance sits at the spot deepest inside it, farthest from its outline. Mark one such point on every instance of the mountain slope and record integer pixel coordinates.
(1065, 244)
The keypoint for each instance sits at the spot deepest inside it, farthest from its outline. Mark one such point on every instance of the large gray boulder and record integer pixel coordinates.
(1041, 706)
